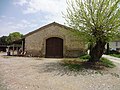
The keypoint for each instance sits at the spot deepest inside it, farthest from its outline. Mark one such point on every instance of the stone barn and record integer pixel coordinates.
(53, 41)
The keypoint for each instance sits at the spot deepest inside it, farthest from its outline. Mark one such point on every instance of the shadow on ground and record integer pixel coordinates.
(60, 68)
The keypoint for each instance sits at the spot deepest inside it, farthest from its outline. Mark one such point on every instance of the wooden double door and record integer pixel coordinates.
(54, 47)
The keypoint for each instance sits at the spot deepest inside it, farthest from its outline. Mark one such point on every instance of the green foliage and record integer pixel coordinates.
(115, 55)
(3, 40)
(85, 56)
(103, 61)
(107, 63)
(117, 37)
(13, 37)
(79, 64)
(94, 19)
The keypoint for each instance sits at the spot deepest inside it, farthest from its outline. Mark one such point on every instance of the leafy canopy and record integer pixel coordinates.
(3, 40)
(94, 19)
(13, 37)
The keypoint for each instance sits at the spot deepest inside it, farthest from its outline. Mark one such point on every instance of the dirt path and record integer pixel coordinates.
(21, 73)
(114, 59)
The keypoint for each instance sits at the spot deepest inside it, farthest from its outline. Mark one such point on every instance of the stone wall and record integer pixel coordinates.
(35, 43)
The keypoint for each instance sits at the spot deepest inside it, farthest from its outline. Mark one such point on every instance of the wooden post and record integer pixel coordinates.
(22, 46)
(17, 51)
(8, 51)
(13, 49)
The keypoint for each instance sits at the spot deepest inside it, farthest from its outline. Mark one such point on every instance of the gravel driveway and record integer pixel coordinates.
(23, 73)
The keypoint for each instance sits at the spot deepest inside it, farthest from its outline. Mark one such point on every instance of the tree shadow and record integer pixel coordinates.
(67, 68)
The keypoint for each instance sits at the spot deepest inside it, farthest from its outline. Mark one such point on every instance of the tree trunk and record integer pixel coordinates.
(97, 51)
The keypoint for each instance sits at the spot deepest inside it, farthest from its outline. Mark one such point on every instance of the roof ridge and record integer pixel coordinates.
(45, 27)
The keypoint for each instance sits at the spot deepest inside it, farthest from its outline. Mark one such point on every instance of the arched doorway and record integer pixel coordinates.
(54, 47)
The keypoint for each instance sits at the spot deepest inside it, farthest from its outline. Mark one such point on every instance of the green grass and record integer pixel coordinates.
(104, 61)
(82, 63)
(107, 63)
(115, 55)
(85, 56)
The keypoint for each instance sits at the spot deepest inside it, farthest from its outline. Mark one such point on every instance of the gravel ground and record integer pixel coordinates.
(23, 73)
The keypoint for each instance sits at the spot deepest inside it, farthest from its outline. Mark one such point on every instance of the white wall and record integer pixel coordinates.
(114, 45)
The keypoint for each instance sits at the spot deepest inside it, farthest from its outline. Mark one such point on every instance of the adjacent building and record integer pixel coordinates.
(115, 45)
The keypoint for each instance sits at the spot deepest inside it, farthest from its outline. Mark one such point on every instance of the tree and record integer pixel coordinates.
(13, 37)
(97, 20)
(3, 40)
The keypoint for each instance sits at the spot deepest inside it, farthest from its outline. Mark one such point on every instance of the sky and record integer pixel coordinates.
(25, 16)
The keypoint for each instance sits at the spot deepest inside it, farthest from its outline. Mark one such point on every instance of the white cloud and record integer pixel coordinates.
(52, 8)
(3, 16)
(20, 2)
(22, 26)
(33, 6)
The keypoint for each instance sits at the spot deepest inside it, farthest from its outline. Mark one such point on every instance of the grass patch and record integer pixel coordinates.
(107, 63)
(115, 55)
(103, 61)
(85, 57)
(82, 63)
